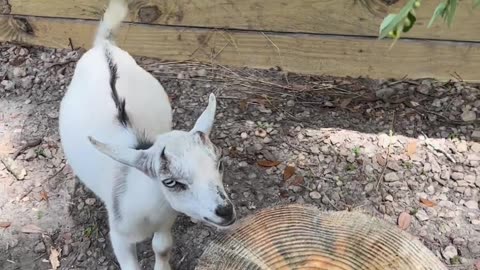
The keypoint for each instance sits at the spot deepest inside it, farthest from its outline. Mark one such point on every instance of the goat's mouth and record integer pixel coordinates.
(224, 224)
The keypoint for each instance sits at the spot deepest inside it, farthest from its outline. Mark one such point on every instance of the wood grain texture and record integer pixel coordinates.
(338, 56)
(343, 17)
(302, 237)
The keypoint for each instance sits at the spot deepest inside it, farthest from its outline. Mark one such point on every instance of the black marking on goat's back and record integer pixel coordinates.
(120, 103)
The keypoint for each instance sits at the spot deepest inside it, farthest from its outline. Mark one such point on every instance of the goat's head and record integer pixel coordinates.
(187, 166)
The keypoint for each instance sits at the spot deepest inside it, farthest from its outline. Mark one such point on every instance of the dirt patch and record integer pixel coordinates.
(330, 137)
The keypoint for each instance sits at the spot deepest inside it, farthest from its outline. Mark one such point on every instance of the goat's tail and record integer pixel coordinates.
(116, 11)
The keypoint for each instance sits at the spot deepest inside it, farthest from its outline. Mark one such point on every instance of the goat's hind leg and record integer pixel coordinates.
(162, 244)
(125, 251)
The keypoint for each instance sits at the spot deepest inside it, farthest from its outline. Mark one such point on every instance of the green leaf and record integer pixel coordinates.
(411, 19)
(395, 21)
(452, 8)
(439, 11)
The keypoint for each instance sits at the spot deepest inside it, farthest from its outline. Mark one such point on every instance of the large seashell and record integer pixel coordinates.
(303, 237)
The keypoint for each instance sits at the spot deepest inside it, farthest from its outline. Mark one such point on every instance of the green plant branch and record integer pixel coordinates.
(393, 25)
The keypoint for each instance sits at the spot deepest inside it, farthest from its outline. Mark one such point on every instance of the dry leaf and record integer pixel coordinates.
(43, 196)
(411, 148)
(477, 265)
(427, 203)
(345, 103)
(289, 172)
(5, 224)
(404, 220)
(31, 228)
(380, 159)
(268, 163)
(298, 181)
(54, 258)
(243, 104)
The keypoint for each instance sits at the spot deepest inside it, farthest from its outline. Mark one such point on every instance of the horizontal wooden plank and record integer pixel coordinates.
(343, 17)
(312, 54)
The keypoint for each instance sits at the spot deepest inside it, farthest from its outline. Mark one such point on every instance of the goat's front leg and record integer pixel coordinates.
(125, 251)
(162, 244)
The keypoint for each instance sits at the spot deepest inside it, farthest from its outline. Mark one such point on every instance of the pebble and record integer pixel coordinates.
(389, 198)
(315, 195)
(476, 137)
(261, 133)
(476, 146)
(290, 103)
(90, 201)
(369, 187)
(391, 177)
(462, 147)
(39, 248)
(314, 149)
(202, 72)
(468, 116)
(421, 215)
(457, 176)
(449, 252)
(8, 85)
(385, 93)
(31, 154)
(244, 135)
(472, 204)
(19, 72)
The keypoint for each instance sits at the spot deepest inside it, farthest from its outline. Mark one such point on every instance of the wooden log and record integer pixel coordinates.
(342, 17)
(303, 237)
(310, 54)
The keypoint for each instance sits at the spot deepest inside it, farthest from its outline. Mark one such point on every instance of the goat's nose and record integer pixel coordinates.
(225, 211)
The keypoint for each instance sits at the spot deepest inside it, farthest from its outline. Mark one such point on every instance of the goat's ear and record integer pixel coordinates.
(205, 121)
(124, 155)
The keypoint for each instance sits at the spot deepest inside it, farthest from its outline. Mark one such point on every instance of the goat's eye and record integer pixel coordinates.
(170, 183)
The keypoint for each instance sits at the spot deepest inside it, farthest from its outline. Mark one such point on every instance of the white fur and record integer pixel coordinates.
(99, 150)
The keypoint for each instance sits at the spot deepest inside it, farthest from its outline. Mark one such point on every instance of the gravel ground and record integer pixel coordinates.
(383, 147)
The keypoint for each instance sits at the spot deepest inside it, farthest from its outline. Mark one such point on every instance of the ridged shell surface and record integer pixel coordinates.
(298, 236)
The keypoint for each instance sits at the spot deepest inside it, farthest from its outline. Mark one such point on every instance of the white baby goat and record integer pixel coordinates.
(147, 173)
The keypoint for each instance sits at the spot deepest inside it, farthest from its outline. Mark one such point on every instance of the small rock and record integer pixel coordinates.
(244, 135)
(462, 183)
(472, 204)
(476, 137)
(65, 250)
(267, 140)
(39, 248)
(19, 72)
(261, 133)
(449, 252)
(53, 115)
(90, 201)
(314, 149)
(369, 187)
(8, 85)
(457, 176)
(31, 154)
(290, 103)
(27, 82)
(421, 215)
(389, 198)
(462, 147)
(385, 93)
(202, 72)
(470, 179)
(315, 195)
(468, 116)
(391, 177)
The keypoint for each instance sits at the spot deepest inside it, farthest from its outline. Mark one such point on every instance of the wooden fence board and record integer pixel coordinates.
(342, 17)
(332, 55)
